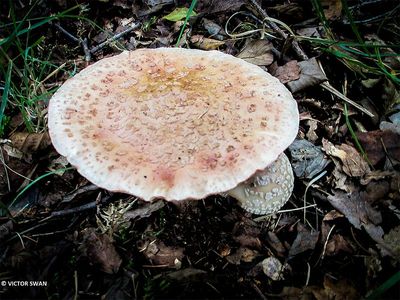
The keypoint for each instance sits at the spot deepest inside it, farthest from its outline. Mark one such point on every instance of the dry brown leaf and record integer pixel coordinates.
(219, 6)
(392, 239)
(378, 143)
(336, 244)
(335, 289)
(160, 254)
(273, 268)
(242, 254)
(100, 251)
(190, 274)
(288, 72)
(332, 9)
(307, 159)
(313, 125)
(310, 75)
(274, 242)
(30, 142)
(358, 211)
(204, 43)
(305, 240)
(353, 164)
(332, 215)
(257, 52)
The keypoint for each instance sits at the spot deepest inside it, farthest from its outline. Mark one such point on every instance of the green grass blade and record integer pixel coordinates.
(377, 293)
(354, 136)
(189, 13)
(36, 180)
(4, 97)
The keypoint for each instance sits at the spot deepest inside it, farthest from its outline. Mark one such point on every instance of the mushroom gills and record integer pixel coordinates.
(268, 190)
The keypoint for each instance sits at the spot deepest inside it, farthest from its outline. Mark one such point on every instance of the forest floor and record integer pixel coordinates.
(338, 237)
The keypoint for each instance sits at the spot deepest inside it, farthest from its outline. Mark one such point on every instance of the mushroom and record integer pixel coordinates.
(178, 124)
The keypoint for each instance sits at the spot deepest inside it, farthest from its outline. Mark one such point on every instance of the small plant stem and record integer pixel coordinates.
(114, 38)
(189, 13)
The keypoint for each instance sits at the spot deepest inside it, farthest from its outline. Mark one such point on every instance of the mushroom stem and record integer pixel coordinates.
(268, 190)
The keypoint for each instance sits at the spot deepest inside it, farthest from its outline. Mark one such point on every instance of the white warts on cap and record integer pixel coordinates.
(171, 123)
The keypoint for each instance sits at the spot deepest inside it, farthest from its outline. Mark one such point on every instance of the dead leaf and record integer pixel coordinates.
(30, 142)
(353, 164)
(310, 75)
(274, 242)
(290, 11)
(204, 43)
(5, 229)
(336, 244)
(242, 254)
(392, 239)
(358, 211)
(145, 211)
(273, 268)
(246, 232)
(307, 159)
(305, 240)
(377, 143)
(332, 9)
(361, 215)
(213, 29)
(100, 251)
(160, 254)
(190, 274)
(219, 6)
(332, 215)
(288, 72)
(313, 125)
(257, 52)
(335, 289)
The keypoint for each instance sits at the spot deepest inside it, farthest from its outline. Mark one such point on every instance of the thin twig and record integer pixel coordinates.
(326, 85)
(81, 190)
(68, 34)
(81, 208)
(295, 45)
(115, 37)
(86, 50)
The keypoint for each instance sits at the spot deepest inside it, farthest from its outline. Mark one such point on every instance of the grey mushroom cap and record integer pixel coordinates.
(268, 190)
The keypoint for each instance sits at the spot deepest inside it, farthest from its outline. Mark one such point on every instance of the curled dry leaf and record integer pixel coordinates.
(288, 72)
(190, 274)
(310, 75)
(100, 251)
(332, 9)
(305, 240)
(160, 254)
(336, 244)
(257, 52)
(242, 254)
(204, 43)
(273, 268)
(358, 211)
(353, 164)
(30, 142)
(392, 239)
(379, 143)
(219, 6)
(361, 215)
(213, 29)
(334, 289)
(274, 242)
(307, 159)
